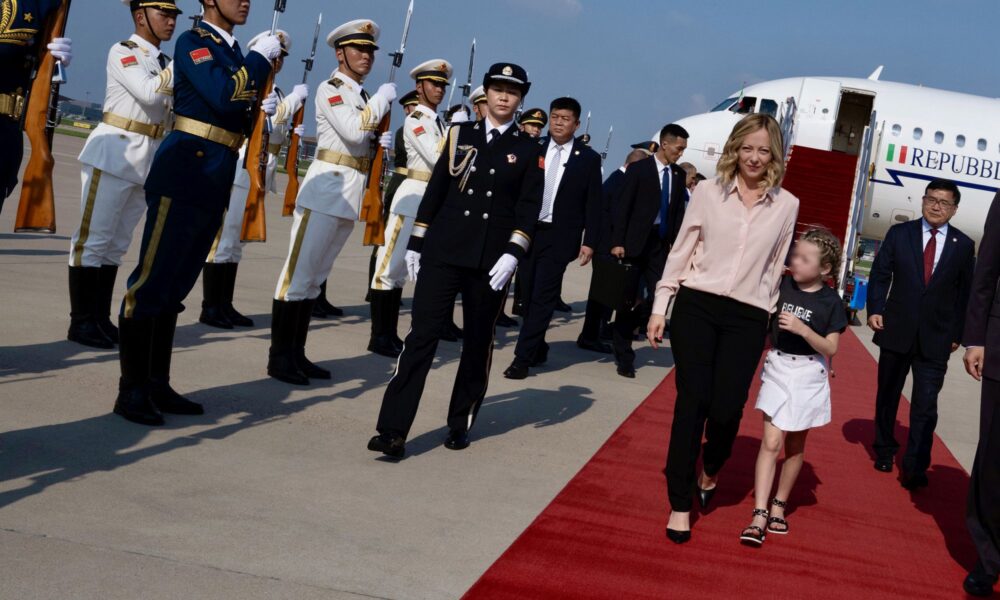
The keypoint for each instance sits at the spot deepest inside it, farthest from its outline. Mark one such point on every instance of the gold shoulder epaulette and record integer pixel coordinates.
(416, 114)
(130, 44)
(336, 82)
(204, 33)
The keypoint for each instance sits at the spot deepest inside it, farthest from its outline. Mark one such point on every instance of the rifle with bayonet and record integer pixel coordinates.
(256, 156)
(607, 145)
(467, 86)
(371, 205)
(292, 156)
(36, 210)
(585, 138)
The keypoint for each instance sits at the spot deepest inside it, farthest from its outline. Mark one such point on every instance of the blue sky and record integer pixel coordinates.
(635, 64)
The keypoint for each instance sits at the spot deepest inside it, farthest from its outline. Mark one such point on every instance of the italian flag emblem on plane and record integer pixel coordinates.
(893, 156)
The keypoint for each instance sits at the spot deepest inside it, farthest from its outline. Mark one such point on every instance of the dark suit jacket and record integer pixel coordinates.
(577, 207)
(933, 314)
(610, 190)
(982, 320)
(639, 203)
(472, 226)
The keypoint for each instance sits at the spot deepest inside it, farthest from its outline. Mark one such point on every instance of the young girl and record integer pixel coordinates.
(795, 391)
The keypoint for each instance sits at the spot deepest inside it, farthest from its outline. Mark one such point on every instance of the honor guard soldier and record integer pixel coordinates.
(478, 100)
(533, 121)
(187, 191)
(218, 277)
(114, 164)
(474, 224)
(409, 102)
(329, 200)
(423, 135)
(24, 23)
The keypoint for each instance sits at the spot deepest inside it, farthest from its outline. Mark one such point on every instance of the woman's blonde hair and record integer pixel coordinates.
(729, 162)
(829, 249)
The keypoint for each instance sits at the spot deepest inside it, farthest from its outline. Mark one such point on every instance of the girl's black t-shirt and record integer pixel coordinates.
(822, 310)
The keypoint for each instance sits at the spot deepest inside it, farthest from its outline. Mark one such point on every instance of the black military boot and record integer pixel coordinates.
(322, 307)
(303, 316)
(109, 274)
(134, 402)
(228, 288)
(371, 273)
(381, 341)
(281, 363)
(164, 397)
(84, 295)
(213, 312)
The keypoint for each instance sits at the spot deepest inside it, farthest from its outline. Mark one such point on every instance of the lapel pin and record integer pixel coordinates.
(511, 158)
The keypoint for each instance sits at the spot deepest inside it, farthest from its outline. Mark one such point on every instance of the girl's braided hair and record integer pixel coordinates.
(829, 249)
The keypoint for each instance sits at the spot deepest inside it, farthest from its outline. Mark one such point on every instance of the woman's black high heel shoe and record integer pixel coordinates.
(678, 537)
(705, 496)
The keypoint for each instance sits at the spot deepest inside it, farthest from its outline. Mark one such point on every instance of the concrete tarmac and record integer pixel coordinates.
(272, 493)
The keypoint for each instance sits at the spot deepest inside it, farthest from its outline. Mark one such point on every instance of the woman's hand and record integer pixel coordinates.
(654, 330)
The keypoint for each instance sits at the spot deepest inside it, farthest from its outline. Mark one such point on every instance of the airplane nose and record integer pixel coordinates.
(708, 133)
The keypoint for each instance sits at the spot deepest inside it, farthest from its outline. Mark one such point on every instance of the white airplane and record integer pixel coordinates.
(901, 135)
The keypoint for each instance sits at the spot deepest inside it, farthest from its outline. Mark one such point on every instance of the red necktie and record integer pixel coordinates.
(929, 251)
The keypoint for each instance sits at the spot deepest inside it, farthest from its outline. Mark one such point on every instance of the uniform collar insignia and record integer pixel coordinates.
(476, 126)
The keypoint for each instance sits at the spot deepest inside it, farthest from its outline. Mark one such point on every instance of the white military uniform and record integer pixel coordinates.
(118, 153)
(423, 137)
(329, 200)
(228, 247)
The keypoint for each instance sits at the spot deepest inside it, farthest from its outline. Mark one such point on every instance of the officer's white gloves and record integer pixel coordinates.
(385, 140)
(301, 90)
(502, 271)
(62, 49)
(387, 91)
(300, 130)
(270, 104)
(412, 264)
(269, 46)
(460, 116)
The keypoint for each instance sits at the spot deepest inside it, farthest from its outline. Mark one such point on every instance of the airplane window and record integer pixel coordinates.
(724, 104)
(938, 137)
(745, 105)
(918, 133)
(960, 140)
(769, 107)
(981, 144)
(896, 130)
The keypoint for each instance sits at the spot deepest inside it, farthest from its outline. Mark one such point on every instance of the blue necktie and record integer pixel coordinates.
(664, 202)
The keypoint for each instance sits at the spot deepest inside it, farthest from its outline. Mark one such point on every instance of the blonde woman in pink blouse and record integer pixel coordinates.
(722, 275)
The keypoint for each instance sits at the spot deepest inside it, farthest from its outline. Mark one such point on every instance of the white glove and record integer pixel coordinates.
(412, 264)
(300, 130)
(301, 90)
(460, 116)
(269, 46)
(385, 140)
(387, 91)
(62, 49)
(502, 271)
(270, 104)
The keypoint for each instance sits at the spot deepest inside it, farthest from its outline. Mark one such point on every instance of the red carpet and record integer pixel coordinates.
(855, 533)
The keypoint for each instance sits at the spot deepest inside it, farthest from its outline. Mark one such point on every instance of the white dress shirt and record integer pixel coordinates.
(226, 36)
(660, 166)
(560, 168)
(941, 236)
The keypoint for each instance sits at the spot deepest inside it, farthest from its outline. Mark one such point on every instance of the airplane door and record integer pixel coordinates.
(816, 117)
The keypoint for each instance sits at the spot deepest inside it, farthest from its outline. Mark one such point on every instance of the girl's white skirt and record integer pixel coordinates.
(795, 390)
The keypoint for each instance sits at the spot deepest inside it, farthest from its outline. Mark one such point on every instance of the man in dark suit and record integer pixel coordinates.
(571, 208)
(596, 315)
(648, 217)
(917, 293)
(475, 222)
(982, 361)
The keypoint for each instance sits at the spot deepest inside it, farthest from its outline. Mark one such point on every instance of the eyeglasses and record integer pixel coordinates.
(932, 201)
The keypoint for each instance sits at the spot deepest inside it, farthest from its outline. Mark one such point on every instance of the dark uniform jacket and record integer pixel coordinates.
(610, 190)
(19, 45)
(639, 204)
(934, 313)
(488, 207)
(214, 84)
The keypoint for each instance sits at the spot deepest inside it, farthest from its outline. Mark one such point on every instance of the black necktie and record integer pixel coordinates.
(162, 59)
(364, 95)
(494, 136)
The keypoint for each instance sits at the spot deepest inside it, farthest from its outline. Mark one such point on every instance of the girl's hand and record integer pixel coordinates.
(654, 330)
(792, 324)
